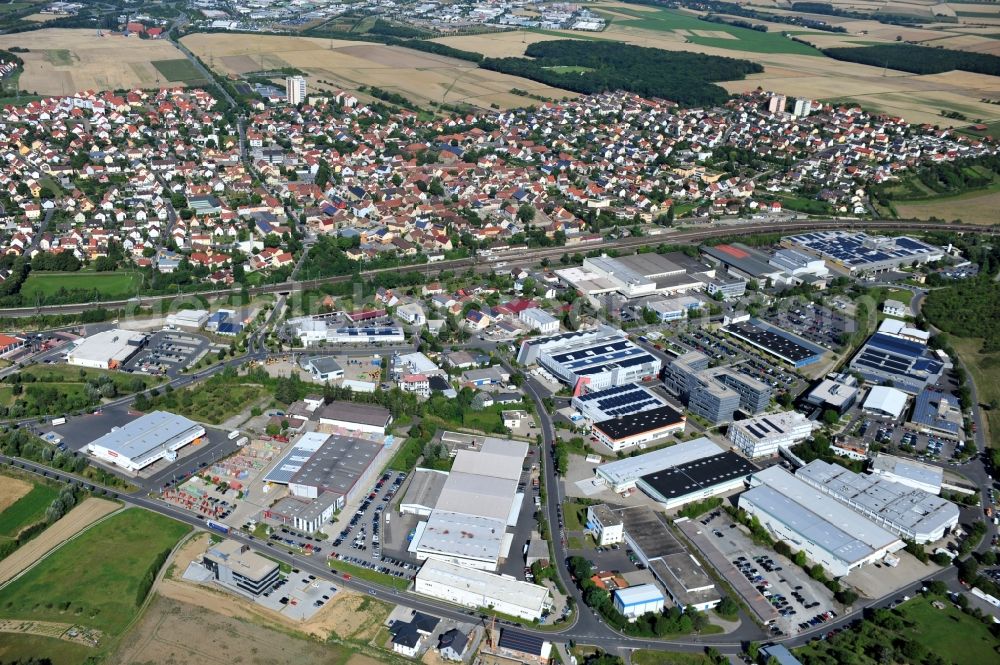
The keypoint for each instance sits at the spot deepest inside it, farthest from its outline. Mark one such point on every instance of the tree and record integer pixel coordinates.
(526, 213)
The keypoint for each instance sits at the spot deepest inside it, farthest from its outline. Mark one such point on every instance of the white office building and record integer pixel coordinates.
(830, 533)
(295, 89)
(606, 526)
(479, 589)
(762, 436)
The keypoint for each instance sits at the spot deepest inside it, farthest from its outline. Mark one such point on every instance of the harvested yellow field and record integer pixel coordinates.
(74, 522)
(970, 208)
(497, 44)
(61, 61)
(422, 77)
(43, 18)
(12, 489)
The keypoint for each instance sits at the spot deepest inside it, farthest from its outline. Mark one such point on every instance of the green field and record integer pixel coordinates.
(108, 285)
(28, 510)
(984, 370)
(63, 374)
(650, 657)
(95, 579)
(752, 41)
(962, 639)
(59, 57)
(180, 69)
(574, 515)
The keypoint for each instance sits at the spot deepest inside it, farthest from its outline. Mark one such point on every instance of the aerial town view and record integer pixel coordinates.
(507, 332)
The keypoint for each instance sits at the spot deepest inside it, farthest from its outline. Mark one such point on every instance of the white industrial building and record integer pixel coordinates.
(885, 401)
(154, 436)
(762, 436)
(598, 358)
(597, 406)
(468, 514)
(312, 332)
(540, 320)
(906, 511)
(633, 276)
(107, 350)
(634, 601)
(909, 472)
(830, 533)
(195, 319)
(479, 589)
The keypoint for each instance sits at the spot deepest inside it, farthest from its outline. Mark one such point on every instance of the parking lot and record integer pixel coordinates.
(168, 353)
(799, 601)
(298, 596)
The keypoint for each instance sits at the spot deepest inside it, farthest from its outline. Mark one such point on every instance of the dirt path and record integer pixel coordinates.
(12, 489)
(78, 519)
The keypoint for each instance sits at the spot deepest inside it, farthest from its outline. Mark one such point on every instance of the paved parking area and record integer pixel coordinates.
(298, 596)
(804, 598)
(169, 352)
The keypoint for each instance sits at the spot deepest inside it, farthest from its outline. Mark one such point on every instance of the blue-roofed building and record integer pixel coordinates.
(780, 653)
(615, 402)
(905, 364)
(230, 329)
(634, 601)
(938, 412)
(216, 319)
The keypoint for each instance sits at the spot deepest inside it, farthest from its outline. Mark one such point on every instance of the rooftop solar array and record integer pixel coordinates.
(859, 251)
(908, 364)
(931, 409)
(616, 401)
(776, 342)
(639, 423)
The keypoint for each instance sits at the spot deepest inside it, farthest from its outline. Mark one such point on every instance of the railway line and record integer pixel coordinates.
(481, 263)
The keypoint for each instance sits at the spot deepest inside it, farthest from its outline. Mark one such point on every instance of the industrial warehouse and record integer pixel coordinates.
(602, 405)
(896, 358)
(638, 429)
(107, 350)
(859, 252)
(480, 589)
(472, 508)
(677, 475)
(781, 344)
(593, 359)
(154, 436)
(906, 511)
(830, 533)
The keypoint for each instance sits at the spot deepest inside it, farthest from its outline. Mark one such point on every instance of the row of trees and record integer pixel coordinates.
(917, 59)
(604, 66)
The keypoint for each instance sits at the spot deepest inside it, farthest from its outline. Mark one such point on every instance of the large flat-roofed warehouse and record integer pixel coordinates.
(638, 429)
(830, 533)
(859, 252)
(356, 417)
(480, 589)
(107, 350)
(680, 474)
(478, 500)
(685, 581)
(154, 436)
(909, 512)
(633, 276)
(343, 465)
(423, 492)
(597, 359)
(744, 262)
(779, 343)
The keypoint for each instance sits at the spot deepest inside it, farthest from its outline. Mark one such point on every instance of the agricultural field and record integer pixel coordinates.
(978, 207)
(178, 70)
(78, 519)
(62, 61)
(109, 285)
(419, 76)
(97, 580)
(26, 502)
(984, 369)
(919, 99)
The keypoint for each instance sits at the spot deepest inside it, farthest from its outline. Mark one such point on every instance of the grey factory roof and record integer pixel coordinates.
(305, 509)
(499, 458)
(901, 506)
(477, 494)
(461, 535)
(425, 488)
(649, 265)
(352, 412)
(295, 457)
(648, 532)
(810, 513)
(143, 435)
(338, 464)
(325, 364)
(910, 469)
(687, 581)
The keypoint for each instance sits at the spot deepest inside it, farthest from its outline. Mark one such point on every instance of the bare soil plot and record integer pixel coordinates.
(74, 522)
(179, 632)
(12, 489)
(62, 61)
(419, 76)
